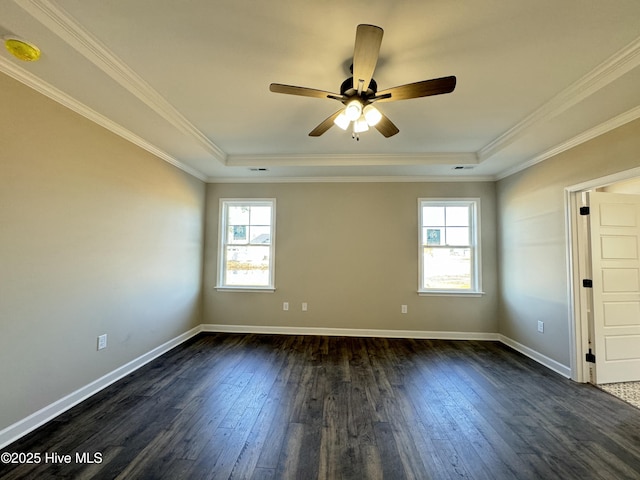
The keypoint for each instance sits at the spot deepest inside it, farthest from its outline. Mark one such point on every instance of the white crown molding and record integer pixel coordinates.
(331, 160)
(27, 78)
(30, 80)
(69, 30)
(585, 136)
(360, 179)
(623, 61)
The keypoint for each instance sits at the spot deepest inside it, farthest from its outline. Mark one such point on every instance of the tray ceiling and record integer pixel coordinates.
(189, 81)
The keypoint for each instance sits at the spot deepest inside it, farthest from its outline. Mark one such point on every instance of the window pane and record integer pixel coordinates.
(458, 216)
(446, 268)
(260, 235)
(247, 236)
(457, 236)
(247, 265)
(260, 215)
(238, 215)
(433, 216)
(237, 234)
(432, 236)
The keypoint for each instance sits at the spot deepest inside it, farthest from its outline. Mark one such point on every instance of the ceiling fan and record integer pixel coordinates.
(359, 92)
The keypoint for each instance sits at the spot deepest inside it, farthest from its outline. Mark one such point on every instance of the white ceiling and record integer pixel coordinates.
(189, 80)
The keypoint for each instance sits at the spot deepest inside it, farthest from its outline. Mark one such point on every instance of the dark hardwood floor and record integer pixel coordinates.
(227, 406)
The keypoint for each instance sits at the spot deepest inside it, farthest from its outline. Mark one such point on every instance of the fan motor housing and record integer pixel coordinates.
(347, 88)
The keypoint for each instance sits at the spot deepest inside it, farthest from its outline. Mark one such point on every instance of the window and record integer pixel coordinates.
(449, 246)
(246, 244)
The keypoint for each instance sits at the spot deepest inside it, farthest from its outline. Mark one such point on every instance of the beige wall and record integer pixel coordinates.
(97, 236)
(350, 251)
(629, 187)
(532, 239)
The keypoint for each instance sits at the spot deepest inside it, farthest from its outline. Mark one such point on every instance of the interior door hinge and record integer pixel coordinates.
(584, 210)
(587, 283)
(590, 357)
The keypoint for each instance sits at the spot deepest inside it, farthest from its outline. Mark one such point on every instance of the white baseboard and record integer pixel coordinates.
(350, 332)
(13, 432)
(42, 416)
(421, 334)
(537, 356)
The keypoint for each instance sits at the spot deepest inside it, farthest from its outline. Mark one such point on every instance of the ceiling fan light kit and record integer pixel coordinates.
(372, 115)
(360, 125)
(342, 121)
(353, 110)
(360, 91)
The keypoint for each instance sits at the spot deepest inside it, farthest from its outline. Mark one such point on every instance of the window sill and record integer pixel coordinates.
(448, 293)
(245, 289)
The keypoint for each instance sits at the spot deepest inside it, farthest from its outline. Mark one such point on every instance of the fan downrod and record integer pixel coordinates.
(347, 89)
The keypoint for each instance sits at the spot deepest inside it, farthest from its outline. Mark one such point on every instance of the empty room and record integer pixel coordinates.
(286, 240)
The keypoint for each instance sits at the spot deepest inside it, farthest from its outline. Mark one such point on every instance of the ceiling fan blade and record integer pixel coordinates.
(365, 55)
(304, 91)
(436, 86)
(386, 127)
(325, 125)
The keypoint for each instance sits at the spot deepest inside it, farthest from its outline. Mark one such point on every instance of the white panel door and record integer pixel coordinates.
(615, 242)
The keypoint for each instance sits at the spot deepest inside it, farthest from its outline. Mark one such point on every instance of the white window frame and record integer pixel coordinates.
(225, 203)
(474, 223)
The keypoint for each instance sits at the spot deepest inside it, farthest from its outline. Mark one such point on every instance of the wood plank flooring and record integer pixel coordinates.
(226, 406)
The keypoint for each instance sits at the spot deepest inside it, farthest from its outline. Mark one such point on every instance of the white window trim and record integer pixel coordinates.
(476, 287)
(222, 227)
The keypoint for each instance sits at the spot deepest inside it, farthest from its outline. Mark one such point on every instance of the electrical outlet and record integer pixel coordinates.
(540, 326)
(403, 308)
(102, 341)
(304, 306)
(285, 306)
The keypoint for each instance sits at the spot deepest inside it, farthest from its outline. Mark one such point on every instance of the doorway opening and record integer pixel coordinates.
(586, 300)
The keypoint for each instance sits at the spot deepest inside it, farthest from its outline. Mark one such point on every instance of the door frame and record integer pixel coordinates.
(579, 267)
